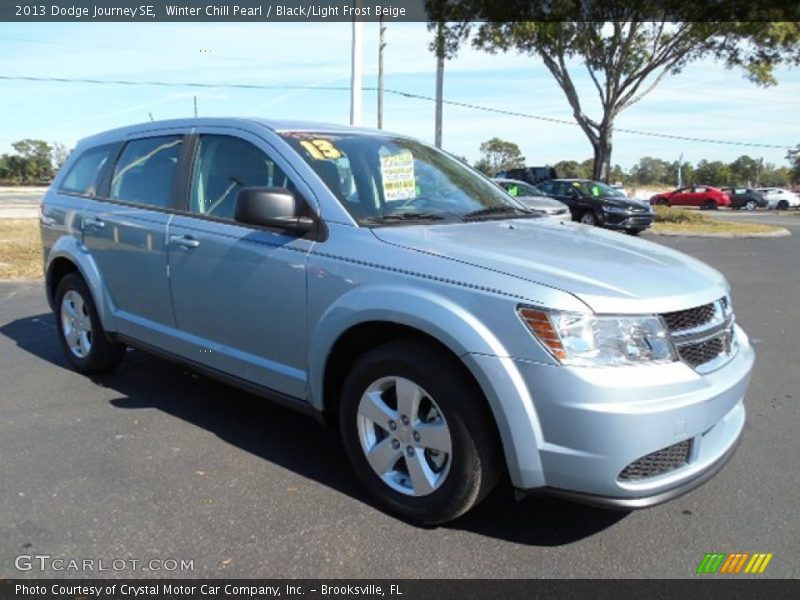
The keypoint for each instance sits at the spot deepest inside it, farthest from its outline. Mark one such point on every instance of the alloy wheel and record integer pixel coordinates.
(76, 324)
(404, 436)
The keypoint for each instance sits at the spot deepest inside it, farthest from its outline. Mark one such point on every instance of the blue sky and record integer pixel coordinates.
(705, 101)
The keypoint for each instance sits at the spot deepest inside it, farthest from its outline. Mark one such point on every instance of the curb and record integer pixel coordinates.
(782, 232)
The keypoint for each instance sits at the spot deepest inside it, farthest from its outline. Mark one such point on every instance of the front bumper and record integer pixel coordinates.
(627, 220)
(589, 424)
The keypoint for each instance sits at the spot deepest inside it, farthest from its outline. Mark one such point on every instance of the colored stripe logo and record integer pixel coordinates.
(734, 563)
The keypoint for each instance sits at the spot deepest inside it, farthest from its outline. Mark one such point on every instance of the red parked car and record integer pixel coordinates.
(704, 196)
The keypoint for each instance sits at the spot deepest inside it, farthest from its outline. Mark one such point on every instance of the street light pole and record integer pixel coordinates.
(356, 68)
(439, 83)
(381, 46)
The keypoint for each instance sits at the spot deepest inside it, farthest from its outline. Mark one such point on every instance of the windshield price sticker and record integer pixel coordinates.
(397, 172)
(320, 149)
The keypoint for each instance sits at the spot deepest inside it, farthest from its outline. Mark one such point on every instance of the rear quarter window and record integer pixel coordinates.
(84, 176)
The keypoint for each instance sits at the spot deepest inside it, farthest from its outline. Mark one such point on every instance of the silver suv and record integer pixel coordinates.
(381, 285)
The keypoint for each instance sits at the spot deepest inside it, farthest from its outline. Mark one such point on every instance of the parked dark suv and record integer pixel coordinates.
(596, 203)
(747, 198)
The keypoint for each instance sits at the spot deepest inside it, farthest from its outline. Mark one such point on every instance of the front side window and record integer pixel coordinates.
(380, 178)
(145, 172)
(84, 176)
(224, 165)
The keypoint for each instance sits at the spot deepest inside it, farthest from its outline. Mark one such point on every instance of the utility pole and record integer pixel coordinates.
(439, 83)
(195, 107)
(356, 70)
(381, 46)
(680, 170)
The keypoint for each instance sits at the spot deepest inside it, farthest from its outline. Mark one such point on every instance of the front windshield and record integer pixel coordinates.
(520, 189)
(378, 178)
(597, 189)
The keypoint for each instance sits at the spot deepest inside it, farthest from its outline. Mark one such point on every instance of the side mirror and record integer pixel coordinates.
(271, 207)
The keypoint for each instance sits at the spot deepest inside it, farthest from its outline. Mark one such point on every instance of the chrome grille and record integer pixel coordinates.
(703, 335)
(657, 463)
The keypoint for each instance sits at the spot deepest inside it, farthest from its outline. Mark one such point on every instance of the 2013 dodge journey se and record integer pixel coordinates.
(382, 285)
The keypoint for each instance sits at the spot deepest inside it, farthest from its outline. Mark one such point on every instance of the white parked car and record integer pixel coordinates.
(779, 198)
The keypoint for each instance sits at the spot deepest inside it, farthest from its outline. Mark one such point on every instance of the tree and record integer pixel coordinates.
(60, 154)
(794, 158)
(39, 157)
(572, 169)
(775, 176)
(626, 57)
(712, 173)
(499, 155)
(651, 170)
(744, 170)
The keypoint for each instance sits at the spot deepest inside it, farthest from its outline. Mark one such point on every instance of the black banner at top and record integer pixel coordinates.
(150, 11)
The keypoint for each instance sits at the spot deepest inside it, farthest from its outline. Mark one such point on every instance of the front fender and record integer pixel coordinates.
(72, 249)
(460, 331)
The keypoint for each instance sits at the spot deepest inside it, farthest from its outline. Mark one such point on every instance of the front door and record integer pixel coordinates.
(239, 292)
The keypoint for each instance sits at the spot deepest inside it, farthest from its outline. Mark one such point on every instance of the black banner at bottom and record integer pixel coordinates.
(400, 589)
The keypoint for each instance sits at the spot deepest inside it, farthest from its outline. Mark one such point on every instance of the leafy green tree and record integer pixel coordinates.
(499, 155)
(38, 156)
(712, 173)
(794, 158)
(650, 170)
(775, 176)
(572, 169)
(625, 58)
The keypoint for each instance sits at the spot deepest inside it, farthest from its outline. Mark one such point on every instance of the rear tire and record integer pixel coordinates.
(80, 331)
(634, 231)
(783, 205)
(708, 205)
(751, 205)
(433, 446)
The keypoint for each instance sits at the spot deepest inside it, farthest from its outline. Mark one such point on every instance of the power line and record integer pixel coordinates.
(410, 95)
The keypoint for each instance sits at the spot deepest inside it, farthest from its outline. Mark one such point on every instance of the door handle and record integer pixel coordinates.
(184, 241)
(93, 223)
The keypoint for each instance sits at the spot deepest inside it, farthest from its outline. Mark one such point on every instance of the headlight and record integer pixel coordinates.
(583, 339)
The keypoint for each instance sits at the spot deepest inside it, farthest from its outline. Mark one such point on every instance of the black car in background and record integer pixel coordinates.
(532, 175)
(596, 203)
(744, 197)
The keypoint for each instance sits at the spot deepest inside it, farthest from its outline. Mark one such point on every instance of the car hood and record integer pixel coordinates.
(541, 202)
(609, 271)
(625, 203)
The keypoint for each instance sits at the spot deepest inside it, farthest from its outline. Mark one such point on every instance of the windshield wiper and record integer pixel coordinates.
(493, 210)
(408, 216)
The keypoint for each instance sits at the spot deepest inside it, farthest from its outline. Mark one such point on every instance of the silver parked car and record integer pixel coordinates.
(532, 198)
(384, 287)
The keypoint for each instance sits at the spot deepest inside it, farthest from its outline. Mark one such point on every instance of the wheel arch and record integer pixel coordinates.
(69, 256)
(344, 334)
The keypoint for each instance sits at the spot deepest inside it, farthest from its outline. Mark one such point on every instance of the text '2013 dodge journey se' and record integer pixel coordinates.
(385, 286)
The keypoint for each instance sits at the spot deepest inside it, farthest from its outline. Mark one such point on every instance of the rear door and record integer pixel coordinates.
(125, 232)
(239, 292)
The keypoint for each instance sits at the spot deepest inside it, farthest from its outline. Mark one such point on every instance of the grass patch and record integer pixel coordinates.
(677, 220)
(20, 249)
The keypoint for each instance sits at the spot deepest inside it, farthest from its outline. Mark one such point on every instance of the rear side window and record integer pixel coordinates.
(145, 172)
(84, 176)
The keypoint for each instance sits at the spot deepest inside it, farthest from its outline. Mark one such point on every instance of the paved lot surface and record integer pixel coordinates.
(20, 203)
(154, 462)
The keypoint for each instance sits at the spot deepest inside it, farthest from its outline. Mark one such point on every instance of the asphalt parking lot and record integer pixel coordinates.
(154, 462)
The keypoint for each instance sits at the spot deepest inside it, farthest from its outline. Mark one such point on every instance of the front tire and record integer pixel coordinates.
(783, 205)
(80, 331)
(751, 205)
(418, 432)
(589, 218)
(708, 205)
